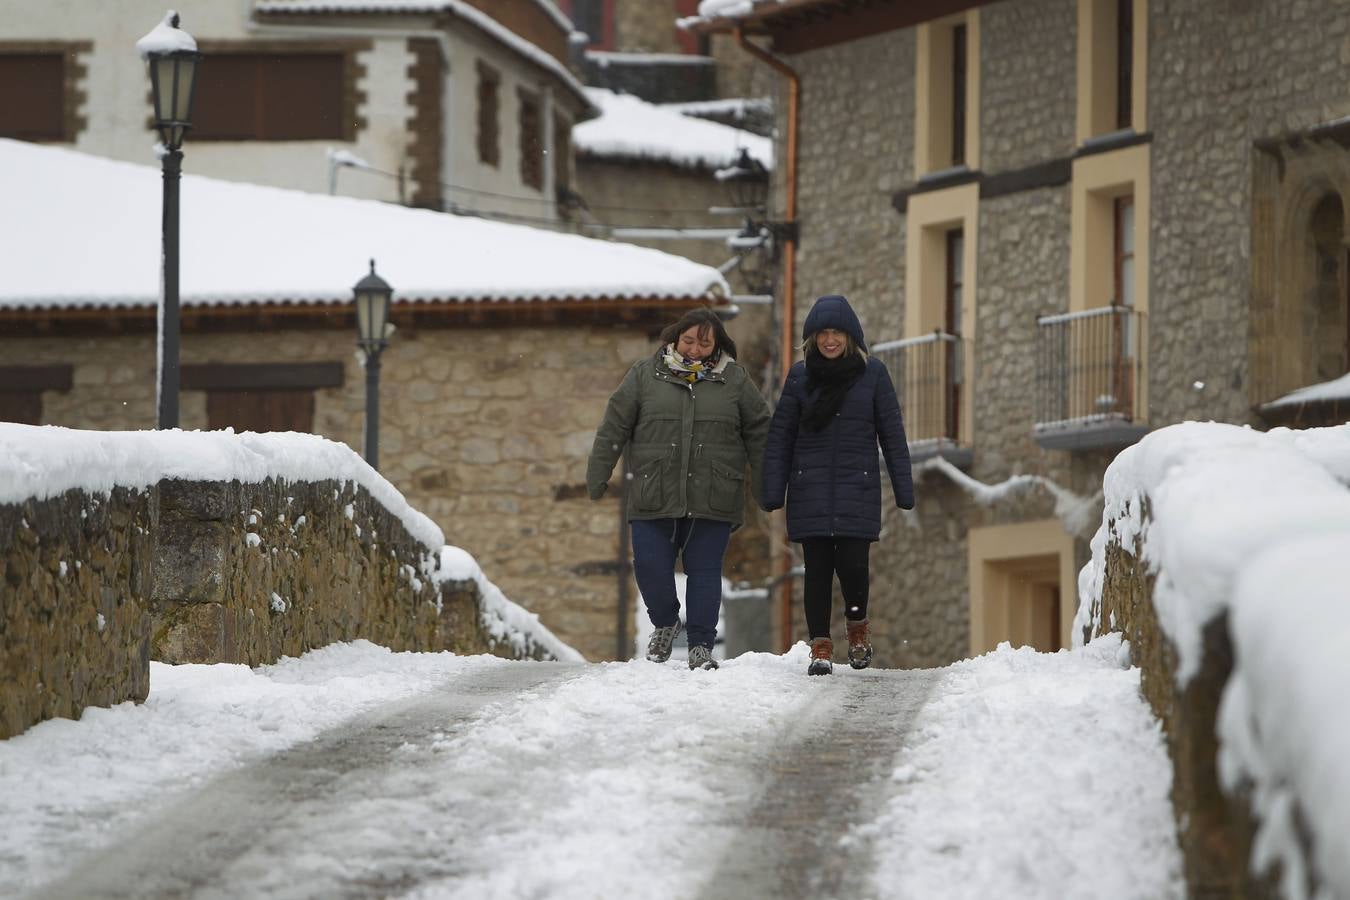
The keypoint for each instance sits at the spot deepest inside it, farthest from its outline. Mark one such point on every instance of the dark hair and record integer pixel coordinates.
(705, 320)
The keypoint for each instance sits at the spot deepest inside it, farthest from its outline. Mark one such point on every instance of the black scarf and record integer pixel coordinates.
(827, 381)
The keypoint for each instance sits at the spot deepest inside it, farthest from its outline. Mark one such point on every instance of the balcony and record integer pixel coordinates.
(1089, 379)
(928, 373)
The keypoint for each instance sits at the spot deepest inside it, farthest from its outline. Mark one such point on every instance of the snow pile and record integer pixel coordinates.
(504, 621)
(630, 128)
(1032, 775)
(1258, 525)
(238, 245)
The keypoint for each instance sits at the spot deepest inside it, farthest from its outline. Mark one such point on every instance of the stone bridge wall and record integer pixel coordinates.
(94, 587)
(1215, 829)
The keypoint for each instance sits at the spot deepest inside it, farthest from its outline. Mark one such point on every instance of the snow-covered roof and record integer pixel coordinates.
(630, 128)
(459, 8)
(81, 230)
(1326, 392)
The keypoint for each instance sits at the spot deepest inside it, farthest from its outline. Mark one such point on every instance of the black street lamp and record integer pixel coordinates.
(172, 56)
(373, 294)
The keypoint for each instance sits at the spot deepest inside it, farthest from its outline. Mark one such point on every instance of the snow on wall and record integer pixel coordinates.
(1258, 525)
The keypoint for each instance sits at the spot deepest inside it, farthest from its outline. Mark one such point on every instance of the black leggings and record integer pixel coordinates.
(824, 557)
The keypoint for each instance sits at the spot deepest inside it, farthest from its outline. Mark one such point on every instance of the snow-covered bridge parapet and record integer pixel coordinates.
(1223, 557)
(121, 547)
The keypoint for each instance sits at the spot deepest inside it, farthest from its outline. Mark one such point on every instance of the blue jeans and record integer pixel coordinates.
(701, 543)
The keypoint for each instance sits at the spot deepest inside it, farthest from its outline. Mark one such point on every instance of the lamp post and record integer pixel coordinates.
(373, 294)
(172, 56)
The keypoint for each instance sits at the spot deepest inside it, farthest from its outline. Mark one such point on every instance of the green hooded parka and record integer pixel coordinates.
(686, 445)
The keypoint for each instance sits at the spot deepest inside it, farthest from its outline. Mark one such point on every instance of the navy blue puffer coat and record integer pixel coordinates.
(831, 478)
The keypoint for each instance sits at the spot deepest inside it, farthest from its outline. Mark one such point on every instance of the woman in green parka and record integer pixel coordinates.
(688, 421)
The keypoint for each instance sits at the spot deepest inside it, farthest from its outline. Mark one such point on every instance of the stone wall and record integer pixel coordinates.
(1215, 830)
(248, 573)
(208, 572)
(75, 577)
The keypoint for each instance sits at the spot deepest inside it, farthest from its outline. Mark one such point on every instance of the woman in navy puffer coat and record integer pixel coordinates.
(837, 405)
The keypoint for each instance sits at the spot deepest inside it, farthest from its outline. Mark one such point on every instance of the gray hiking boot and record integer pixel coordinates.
(701, 658)
(658, 648)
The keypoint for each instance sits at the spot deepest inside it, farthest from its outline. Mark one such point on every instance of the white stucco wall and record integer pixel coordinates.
(117, 105)
(461, 159)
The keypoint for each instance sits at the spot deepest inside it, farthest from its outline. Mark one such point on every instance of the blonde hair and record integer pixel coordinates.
(850, 345)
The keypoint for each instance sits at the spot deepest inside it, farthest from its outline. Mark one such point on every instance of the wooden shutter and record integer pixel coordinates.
(260, 410)
(531, 140)
(24, 407)
(489, 143)
(562, 153)
(33, 96)
(270, 97)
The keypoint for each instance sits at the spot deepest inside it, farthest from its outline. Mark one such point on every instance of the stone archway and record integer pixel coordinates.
(1299, 328)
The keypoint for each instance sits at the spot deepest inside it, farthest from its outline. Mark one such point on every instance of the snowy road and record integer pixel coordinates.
(355, 772)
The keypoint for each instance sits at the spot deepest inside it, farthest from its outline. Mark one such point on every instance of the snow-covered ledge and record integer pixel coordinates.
(1223, 556)
(119, 547)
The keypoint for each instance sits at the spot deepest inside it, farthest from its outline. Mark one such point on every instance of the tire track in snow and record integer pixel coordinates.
(202, 844)
(831, 770)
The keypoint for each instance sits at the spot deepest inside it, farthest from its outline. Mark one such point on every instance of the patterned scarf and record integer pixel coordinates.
(691, 370)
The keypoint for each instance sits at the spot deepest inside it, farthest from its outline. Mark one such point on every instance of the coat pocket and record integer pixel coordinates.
(726, 492)
(647, 488)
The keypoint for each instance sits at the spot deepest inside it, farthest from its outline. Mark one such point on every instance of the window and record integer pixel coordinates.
(32, 104)
(958, 96)
(489, 138)
(562, 153)
(956, 254)
(40, 91)
(1124, 62)
(595, 19)
(260, 410)
(1124, 251)
(261, 397)
(531, 140)
(946, 133)
(1110, 57)
(24, 407)
(270, 97)
(21, 390)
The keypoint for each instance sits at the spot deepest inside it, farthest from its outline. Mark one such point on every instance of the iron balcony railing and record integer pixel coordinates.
(1088, 368)
(928, 375)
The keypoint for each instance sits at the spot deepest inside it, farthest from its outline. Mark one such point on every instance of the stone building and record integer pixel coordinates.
(1072, 221)
(509, 341)
(446, 104)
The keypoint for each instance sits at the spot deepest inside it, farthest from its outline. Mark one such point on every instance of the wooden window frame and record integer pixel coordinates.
(1120, 255)
(954, 288)
(73, 75)
(489, 115)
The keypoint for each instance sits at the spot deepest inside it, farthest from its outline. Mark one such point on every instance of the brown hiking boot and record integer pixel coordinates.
(859, 648)
(822, 649)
